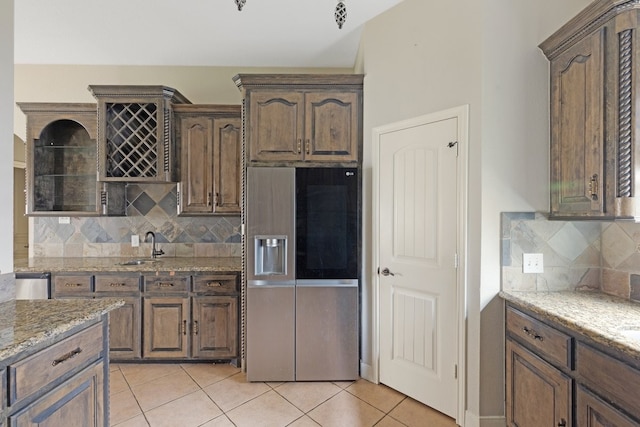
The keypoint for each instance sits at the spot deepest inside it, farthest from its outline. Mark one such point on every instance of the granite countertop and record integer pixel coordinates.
(114, 264)
(598, 316)
(27, 323)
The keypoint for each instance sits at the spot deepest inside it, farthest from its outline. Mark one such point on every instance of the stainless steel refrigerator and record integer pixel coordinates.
(302, 265)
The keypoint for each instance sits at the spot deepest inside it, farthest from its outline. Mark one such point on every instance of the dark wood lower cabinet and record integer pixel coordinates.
(538, 395)
(76, 403)
(595, 386)
(215, 332)
(594, 412)
(124, 330)
(166, 327)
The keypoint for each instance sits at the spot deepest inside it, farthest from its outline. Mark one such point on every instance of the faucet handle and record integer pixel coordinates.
(159, 252)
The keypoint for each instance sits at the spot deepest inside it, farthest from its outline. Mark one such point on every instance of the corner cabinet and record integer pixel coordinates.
(61, 153)
(593, 118)
(135, 138)
(302, 118)
(210, 143)
(557, 377)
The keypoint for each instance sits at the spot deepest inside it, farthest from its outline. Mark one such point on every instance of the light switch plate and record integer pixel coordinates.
(64, 220)
(135, 240)
(532, 263)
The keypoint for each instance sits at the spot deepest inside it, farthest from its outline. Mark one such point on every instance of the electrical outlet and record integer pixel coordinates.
(135, 240)
(64, 220)
(532, 263)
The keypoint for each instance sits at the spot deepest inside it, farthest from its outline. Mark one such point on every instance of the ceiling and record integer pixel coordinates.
(266, 33)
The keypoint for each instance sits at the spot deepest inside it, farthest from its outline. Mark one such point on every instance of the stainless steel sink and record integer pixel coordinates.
(138, 262)
(631, 333)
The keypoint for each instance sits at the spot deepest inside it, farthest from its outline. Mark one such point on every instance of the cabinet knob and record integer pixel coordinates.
(532, 333)
(299, 146)
(184, 327)
(117, 285)
(165, 284)
(562, 423)
(214, 284)
(308, 147)
(195, 327)
(208, 199)
(593, 187)
(72, 285)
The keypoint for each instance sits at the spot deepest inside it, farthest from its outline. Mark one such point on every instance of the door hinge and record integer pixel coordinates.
(455, 371)
(455, 260)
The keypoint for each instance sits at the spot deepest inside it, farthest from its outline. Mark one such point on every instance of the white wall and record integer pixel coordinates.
(201, 85)
(425, 56)
(6, 135)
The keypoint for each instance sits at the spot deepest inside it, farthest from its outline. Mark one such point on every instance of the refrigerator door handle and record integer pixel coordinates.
(270, 284)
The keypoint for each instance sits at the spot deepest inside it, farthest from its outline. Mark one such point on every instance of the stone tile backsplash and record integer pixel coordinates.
(150, 207)
(578, 255)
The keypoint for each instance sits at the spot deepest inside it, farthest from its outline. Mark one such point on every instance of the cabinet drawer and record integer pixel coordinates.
(617, 381)
(45, 367)
(551, 343)
(220, 284)
(71, 284)
(593, 411)
(166, 284)
(117, 283)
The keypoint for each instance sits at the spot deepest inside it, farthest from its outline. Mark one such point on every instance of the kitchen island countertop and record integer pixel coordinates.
(115, 264)
(26, 324)
(596, 315)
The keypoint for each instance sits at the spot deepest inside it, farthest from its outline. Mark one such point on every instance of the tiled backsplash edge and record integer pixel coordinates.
(150, 207)
(578, 255)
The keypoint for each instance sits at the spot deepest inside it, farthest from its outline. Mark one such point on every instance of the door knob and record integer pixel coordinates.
(386, 272)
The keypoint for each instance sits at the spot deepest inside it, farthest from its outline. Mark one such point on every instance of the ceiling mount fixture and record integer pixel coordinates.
(340, 13)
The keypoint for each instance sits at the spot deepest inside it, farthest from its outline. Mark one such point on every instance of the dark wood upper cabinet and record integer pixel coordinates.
(302, 118)
(135, 138)
(210, 143)
(593, 118)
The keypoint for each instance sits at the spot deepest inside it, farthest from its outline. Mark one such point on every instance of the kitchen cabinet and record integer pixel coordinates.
(125, 321)
(60, 150)
(545, 362)
(593, 94)
(65, 383)
(180, 324)
(302, 118)
(210, 142)
(135, 137)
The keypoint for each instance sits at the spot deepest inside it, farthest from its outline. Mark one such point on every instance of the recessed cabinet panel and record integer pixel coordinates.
(577, 141)
(197, 152)
(227, 165)
(276, 126)
(332, 126)
(594, 412)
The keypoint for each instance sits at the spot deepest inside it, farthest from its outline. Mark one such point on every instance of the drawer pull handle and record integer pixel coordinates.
(214, 284)
(195, 327)
(72, 285)
(165, 285)
(117, 285)
(184, 327)
(532, 333)
(67, 356)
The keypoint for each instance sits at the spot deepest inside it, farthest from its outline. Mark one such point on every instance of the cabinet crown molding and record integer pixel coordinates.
(302, 80)
(589, 19)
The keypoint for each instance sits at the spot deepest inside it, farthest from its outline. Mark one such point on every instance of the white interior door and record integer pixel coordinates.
(417, 253)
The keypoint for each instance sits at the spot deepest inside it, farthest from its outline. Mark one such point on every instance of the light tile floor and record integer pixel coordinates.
(218, 395)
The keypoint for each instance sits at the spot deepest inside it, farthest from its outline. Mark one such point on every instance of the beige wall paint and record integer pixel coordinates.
(6, 135)
(422, 57)
(201, 85)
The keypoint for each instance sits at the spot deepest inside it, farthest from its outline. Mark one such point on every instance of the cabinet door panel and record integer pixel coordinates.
(593, 412)
(197, 158)
(577, 123)
(76, 403)
(276, 122)
(124, 330)
(165, 327)
(331, 126)
(538, 394)
(227, 166)
(215, 330)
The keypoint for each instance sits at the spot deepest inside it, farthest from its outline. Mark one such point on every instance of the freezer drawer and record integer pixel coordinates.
(327, 346)
(270, 332)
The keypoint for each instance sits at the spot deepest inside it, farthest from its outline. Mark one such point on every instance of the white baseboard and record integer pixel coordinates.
(367, 373)
(493, 421)
(471, 420)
